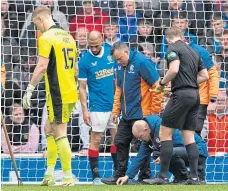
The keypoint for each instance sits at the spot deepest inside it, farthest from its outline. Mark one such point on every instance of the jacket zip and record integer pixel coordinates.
(125, 107)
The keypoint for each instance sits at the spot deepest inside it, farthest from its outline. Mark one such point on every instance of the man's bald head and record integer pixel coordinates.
(95, 41)
(141, 130)
(138, 127)
(95, 38)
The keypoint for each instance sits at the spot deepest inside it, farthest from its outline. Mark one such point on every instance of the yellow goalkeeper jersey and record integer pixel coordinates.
(60, 48)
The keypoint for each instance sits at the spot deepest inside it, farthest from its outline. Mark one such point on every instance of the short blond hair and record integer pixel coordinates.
(174, 32)
(41, 10)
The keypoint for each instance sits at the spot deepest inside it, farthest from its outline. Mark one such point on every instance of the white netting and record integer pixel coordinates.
(203, 21)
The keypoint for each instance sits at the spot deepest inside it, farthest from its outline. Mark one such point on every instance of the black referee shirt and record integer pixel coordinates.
(190, 65)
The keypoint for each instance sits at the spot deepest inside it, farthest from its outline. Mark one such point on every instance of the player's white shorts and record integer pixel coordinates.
(101, 121)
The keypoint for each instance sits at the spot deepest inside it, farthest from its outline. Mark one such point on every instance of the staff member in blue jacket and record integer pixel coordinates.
(135, 98)
(148, 131)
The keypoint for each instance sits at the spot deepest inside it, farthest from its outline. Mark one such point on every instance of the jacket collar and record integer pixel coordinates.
(132, 53)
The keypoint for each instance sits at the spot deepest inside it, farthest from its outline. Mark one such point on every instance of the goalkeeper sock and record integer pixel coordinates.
(193, 157)
(64, 151)
(51, 155)
(93, 160)
(114, 156)
(165, 157)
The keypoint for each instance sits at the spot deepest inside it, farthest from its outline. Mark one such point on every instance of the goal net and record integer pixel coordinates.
(142, 25)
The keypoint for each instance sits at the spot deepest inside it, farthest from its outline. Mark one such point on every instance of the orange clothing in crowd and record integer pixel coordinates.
(217, 134)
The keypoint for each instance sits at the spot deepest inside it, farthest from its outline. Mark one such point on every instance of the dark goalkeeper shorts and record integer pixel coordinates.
(181, 110)
(59, 113)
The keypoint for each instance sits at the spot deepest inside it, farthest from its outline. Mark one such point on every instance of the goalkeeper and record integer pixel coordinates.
(148, 131)
(57, 61)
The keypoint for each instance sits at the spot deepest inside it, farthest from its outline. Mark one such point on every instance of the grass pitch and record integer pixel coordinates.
(217, 187)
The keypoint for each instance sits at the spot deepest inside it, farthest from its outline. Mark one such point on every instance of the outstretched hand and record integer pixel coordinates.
(122, 180)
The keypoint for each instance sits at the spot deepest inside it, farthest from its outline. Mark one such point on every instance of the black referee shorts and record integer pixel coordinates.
(181, 110)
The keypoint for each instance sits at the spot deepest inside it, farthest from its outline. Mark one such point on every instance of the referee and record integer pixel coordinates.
(185, 71)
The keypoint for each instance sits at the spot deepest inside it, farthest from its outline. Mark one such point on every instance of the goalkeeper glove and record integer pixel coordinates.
(27, 96)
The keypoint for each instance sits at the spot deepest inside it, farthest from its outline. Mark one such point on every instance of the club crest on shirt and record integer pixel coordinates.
(109, 58)
(131, 71)
(94, 63)
(119, 67)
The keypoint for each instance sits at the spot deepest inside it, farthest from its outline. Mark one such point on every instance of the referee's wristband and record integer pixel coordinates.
(161, 84)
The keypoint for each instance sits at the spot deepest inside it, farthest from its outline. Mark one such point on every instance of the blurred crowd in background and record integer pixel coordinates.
(141, 24)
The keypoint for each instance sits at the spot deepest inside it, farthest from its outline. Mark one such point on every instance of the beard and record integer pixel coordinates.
(96, 53)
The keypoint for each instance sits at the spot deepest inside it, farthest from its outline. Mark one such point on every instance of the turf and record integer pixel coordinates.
(216, 187)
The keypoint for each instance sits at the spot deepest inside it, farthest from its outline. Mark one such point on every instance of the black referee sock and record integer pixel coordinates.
(165, 157)
(193, 157)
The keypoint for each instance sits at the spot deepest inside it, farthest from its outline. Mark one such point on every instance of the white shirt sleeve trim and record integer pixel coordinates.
(82, 79)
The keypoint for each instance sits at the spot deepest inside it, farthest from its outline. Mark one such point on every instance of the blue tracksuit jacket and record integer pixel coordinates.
(147, 148)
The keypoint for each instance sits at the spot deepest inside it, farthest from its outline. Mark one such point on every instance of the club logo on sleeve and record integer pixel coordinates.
(171, 55)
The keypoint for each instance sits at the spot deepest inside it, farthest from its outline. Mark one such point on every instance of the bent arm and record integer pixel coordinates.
(213, 82)
(33, 141)
(144, 152)
(202, 76)
(172, 72)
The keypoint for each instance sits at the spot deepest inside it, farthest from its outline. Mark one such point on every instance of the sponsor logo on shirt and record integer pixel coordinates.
(104, 73)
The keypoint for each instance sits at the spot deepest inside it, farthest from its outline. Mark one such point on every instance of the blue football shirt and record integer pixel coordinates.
(99, 73)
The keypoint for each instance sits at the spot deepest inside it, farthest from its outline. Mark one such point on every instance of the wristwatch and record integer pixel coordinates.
(161, 84)
(213, 99)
